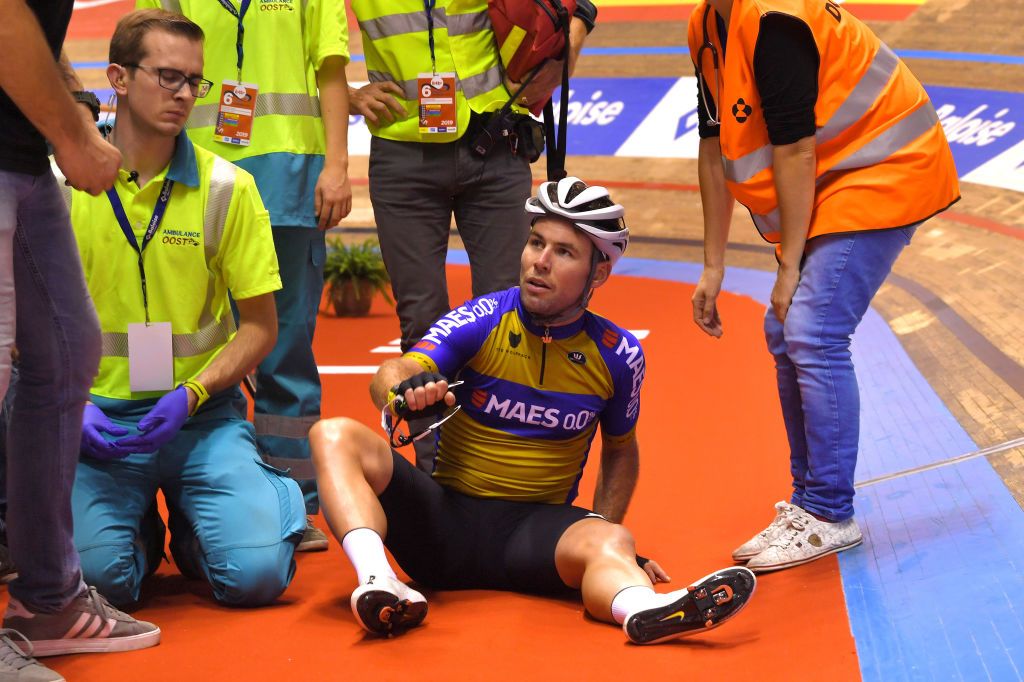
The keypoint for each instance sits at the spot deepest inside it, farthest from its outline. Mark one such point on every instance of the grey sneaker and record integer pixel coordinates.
(89, 624)
(805, 539)
(313, 539)
(761, 541)
(16, 666)
(7, 570)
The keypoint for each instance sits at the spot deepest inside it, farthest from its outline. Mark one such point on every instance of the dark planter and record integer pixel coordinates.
(351, 300)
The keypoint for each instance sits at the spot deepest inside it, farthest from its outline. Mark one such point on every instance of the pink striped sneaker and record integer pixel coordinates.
(88, 625)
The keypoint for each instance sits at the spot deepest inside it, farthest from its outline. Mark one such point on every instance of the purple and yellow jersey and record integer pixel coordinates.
(529, 409)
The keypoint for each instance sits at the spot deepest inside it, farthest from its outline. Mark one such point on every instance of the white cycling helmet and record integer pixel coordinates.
(590, 209)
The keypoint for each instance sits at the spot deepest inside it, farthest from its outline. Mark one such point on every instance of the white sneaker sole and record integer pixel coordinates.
(806, 560)
(99, 645)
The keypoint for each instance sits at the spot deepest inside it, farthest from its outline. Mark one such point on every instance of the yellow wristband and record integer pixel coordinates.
(202, 395)
(390, 404)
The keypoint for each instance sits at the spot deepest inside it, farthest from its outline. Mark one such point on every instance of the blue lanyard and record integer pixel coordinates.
(428, 5)
(240, 36)
(154, 225)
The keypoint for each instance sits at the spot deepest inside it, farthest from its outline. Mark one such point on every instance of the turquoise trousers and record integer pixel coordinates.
(233, 519)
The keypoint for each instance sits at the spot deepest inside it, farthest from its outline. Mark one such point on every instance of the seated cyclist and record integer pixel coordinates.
(537, 373)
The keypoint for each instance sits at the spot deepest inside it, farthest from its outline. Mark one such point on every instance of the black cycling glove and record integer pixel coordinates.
(396, 398)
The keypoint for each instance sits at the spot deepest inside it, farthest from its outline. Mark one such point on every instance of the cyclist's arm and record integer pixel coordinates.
(390, 373)
(620, 465)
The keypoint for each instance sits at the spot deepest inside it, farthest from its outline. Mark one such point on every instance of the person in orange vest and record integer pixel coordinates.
(824, 135)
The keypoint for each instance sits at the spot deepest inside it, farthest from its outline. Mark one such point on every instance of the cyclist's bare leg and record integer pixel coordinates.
(353, 466)
(599, 558)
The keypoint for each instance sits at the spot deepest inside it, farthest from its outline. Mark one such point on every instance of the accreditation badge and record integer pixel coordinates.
(235, 113)
(150, 358)
(436, 102)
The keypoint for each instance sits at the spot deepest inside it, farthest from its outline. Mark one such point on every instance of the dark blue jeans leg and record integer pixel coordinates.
(58, 338)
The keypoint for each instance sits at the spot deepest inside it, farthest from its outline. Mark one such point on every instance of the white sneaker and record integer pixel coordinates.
(805, 539)
(706, 604)
(386, 606)
(760, 542)
(17, 664)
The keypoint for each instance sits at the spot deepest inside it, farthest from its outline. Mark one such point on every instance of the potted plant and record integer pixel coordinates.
(354, 272)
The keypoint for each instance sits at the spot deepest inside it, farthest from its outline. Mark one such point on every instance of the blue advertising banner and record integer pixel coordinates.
(656, 118)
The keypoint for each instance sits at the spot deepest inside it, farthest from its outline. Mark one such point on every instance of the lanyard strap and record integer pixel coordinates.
(154, 225)
(428, 5)
(240, 36)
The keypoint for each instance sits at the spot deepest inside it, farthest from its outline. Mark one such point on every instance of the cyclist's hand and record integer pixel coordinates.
(653, 570)
(419, 392)
(705, 301)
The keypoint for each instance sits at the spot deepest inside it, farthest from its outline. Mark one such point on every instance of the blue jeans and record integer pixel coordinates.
(233, 519)
(287, 400)
(839, 276)
(58, 337)
(5, 424)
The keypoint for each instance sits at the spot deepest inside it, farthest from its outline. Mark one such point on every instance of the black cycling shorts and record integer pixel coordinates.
(446, 540)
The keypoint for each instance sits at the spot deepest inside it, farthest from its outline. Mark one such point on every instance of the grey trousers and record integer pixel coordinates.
(415, 188)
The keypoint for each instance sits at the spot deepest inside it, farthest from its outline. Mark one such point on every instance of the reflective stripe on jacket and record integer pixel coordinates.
(395, 42)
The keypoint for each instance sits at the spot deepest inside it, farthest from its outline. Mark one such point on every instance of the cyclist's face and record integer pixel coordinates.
(555, 266)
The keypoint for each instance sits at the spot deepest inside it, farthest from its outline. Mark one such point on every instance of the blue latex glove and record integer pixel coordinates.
(162, 423)
(94, 425)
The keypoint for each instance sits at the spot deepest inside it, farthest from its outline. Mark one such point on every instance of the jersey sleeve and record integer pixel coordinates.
(453, 340)
(327, 28)
(246, 257)
(619, 418)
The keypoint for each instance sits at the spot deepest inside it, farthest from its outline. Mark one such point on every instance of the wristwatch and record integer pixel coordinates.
(90, 100)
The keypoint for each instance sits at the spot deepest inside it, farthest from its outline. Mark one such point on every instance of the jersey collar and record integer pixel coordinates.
(561, 332)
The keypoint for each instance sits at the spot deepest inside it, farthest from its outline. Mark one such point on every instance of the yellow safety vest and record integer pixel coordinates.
(214, 239)
(281, 55)
(395, 43)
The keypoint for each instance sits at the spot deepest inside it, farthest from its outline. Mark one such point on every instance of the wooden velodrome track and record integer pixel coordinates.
(713, 441)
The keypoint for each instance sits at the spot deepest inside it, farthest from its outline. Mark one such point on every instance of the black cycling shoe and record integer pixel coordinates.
(707, 604)
(385, 606)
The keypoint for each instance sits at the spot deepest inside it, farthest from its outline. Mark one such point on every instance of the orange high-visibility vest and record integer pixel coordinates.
(882, 157)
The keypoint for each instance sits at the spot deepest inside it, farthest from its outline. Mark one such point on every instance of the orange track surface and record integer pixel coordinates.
(713, 462)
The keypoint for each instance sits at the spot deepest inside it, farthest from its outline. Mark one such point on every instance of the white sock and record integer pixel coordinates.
(630, 600)
(365, 550)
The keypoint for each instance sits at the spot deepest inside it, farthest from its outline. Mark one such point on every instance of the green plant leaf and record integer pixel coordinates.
(360, 261)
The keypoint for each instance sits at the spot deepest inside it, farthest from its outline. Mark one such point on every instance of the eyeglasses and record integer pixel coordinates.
(172, 79)
(390, 423)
